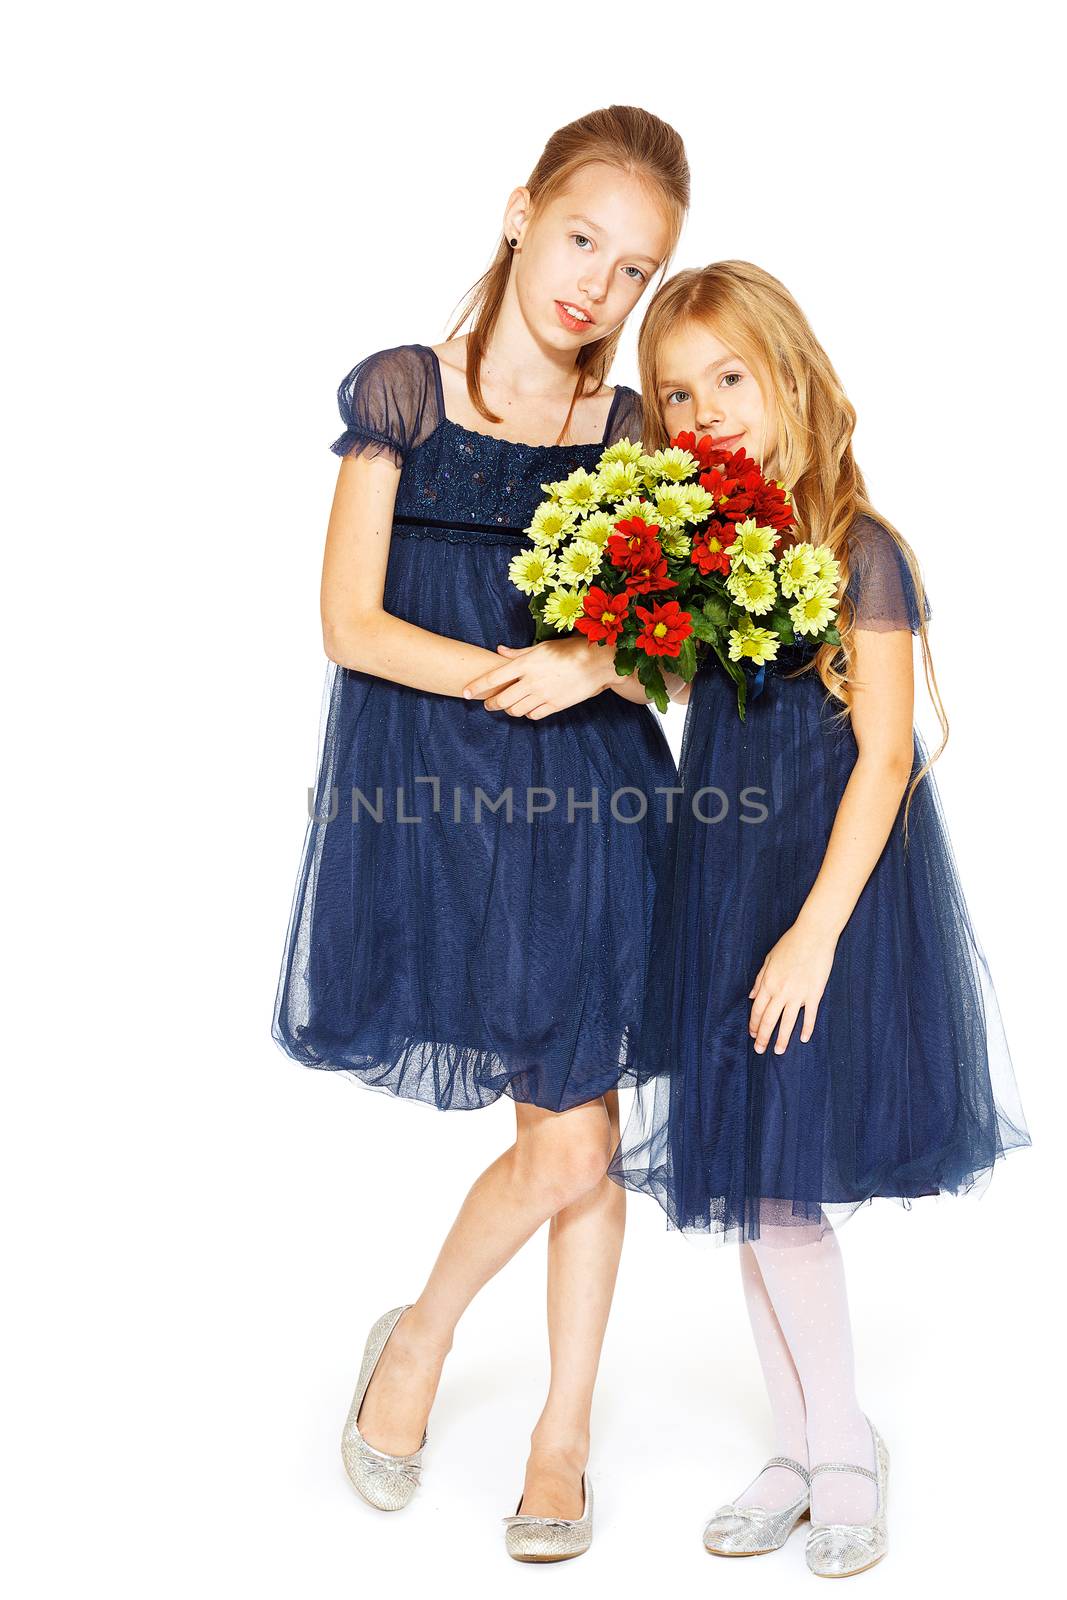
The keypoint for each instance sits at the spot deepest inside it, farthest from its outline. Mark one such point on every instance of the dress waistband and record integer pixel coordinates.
(458, 532)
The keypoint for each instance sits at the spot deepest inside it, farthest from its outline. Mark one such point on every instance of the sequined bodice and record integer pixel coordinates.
(470, 487)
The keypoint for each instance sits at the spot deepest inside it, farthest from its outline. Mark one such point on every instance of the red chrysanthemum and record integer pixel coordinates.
(711, 549)
(771, 508)
(733, 485)
(666, 627)
(703, 449)
(649, 577)
(603, 616)
(634, 543)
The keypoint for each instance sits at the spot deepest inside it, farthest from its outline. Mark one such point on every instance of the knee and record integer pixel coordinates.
(568, 1163)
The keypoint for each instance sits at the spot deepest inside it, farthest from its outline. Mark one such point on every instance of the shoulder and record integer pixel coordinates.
(388, 399)
(625, 418)
(401, 366)
(874, 548)
(885, 582)
(868, 538)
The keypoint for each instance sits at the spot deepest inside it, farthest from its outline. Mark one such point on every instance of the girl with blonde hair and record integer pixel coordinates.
(812, 906)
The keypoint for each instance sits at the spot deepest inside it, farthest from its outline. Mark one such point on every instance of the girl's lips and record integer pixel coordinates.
(573, 324)
(720, 441)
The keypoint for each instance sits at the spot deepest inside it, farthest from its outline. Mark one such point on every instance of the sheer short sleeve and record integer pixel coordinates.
(626, 420)
(388, 404)
(880, 586)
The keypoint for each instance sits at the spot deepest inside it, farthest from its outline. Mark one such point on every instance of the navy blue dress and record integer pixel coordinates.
(906, 1086)
(466, 925)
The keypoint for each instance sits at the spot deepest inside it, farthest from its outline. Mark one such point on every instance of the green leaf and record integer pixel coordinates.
(831, 636)
(703, 628)
(625, 660)
(717, 610)
(649, 674)
(687, 658)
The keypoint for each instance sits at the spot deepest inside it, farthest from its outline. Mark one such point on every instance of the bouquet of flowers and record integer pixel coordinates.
(672, 557)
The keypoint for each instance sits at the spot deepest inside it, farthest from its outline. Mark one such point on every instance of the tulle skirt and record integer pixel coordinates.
(474, 921)
(906, 1087)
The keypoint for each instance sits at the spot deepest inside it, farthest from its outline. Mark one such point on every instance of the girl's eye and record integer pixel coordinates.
(731, 379)
(640, 278)
(580, 240)
(678, 397)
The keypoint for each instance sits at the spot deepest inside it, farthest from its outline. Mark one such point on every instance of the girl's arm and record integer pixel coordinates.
(630, 688)
(557, 673)
(356, 631)
(795, 972)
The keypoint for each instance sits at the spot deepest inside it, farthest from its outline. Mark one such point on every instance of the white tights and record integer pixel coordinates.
(798, 1308)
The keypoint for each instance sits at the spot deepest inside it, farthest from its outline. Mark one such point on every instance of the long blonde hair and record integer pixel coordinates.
(625, 137)
(758, 317)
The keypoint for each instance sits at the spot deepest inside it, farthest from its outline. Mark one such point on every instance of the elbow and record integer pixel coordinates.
(346, 640)
(896, 768)
(336, 643)
(892, 766)
(341, 644)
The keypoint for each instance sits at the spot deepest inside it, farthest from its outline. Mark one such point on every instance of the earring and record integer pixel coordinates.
(513, 243)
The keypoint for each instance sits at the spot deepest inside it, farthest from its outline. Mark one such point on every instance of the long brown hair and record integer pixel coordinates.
(813, 456)
(625, 137)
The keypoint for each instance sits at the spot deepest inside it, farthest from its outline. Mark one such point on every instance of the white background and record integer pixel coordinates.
(213, 213)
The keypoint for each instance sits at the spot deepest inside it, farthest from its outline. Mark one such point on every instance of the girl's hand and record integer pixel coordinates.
(792, 977)
(544, 678)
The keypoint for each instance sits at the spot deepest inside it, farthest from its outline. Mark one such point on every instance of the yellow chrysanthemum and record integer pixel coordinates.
(676, 543)
(553, 491)
(563, 607)
(578, 563)
(618, 479)
(551, 523)
(622, 450)
(672, 505)
(797, 568)
(635, 506)
(581, 491)
(755, 591)
(813, 613)
(828, 564)
(532, 571)
(753, 547)
(752, 643)
(674, 464)
(597, 529)
(701, 503)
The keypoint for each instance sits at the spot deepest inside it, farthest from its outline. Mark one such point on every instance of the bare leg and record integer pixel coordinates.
(584, 1246)
(557, 1158)
(777, 1487)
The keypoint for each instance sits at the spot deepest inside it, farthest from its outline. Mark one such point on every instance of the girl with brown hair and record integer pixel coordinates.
(477, 926)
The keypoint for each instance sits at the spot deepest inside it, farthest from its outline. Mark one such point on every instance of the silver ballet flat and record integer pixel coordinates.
(750, 1530)
(551, 1538)
(385, 1481)
(841, 1549)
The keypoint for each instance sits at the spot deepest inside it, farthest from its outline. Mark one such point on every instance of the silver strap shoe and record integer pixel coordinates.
(551, 1538)
(841, 1549)
(385, 1481)
(750, 1530)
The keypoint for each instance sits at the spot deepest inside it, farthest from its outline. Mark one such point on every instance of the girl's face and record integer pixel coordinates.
(705, 388)
(585, 259)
